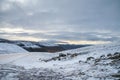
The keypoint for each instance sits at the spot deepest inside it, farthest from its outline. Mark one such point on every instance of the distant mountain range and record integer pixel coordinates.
(43, 46)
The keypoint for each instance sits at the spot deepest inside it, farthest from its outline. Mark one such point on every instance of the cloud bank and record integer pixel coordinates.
(63, 20)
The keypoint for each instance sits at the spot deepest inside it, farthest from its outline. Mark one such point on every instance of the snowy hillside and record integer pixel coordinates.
(95, 51)
(27, 44)
(101, 62)
(10, 48)
(35, 44)
(48, 43)
(44, 46)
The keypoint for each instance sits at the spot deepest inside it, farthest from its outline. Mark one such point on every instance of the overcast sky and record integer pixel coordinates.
(73, 21)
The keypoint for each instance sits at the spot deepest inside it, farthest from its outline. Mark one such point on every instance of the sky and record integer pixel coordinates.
(72, 21)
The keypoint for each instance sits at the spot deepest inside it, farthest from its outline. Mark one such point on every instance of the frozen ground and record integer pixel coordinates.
(90, 63)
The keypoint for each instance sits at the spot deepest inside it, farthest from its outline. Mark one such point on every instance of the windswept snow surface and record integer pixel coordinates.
(10, 48)
(28, 60)
(70, 66)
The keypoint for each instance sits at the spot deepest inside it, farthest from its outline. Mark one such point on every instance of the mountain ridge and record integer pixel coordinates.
(43, 46)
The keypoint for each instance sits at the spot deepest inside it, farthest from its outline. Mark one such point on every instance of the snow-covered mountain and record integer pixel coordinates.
(43, 46)
(10, 48)
(49, 43)
(100, 62)
(27, 44)
(39, 46)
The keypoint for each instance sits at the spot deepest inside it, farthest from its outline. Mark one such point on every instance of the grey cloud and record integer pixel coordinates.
(69, 18)
(75, 36)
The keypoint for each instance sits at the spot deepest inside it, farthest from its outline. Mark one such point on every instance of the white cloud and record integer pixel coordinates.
(9, 28)
(16, 37)
(20, 30)
(87, 42)
(30, 13)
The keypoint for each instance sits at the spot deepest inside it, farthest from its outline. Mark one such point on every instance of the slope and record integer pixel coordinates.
(10, 48)
(100, 62)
